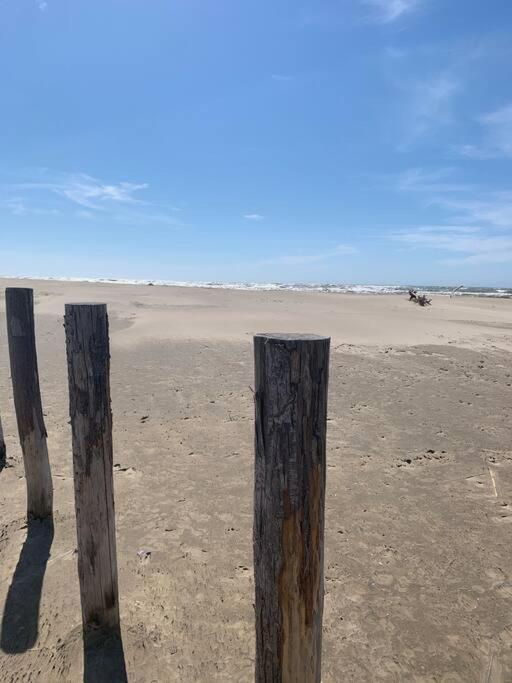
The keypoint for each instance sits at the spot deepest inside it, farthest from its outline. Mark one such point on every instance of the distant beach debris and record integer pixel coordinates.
(420, 299)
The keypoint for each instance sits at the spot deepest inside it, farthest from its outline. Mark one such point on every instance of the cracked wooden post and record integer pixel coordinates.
(291, 375)
(19, 313)
(87, 346)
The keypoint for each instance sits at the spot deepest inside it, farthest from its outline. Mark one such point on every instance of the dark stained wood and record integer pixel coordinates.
(19, 311)
(291, 375)
(87, 345)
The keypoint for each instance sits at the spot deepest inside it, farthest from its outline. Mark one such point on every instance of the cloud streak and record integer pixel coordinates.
(430, 105)
(471, 246)
(334, 14)
(493, 209)
(87, 191)
(430, 181)
(496, 136)
(465, 203)
(17, 206)
(478, 224)
(388, 11)
(89, 196)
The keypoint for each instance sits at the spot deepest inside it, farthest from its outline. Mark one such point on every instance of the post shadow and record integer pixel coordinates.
(20, 619)
(3, 452)
(104, 657)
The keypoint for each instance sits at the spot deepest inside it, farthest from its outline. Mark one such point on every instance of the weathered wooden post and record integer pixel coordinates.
(291, 375)
(19, 312)
(87, 346)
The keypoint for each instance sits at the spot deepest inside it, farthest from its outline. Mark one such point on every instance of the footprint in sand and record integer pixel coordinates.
(502, 519)
(496, 575)
(467, 601)
(384, 580)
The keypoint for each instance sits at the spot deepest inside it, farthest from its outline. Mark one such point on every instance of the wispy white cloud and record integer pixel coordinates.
(42, 6)
(449, 229)
(496, 136)
(280, 77)
(464, 203)
(84, 190)
(90, 192)
(85, 193)
(439, 180)
(495, 256)
(308, 257)
(470, 245)
(17, 206)
(492, 208)
(253, 217)
(387, 11)
(477, 223)
(336, 13)
(430, 79)
(92, 196)
(475, 152)
(430, 105)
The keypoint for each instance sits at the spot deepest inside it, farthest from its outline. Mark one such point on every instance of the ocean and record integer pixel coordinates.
(330, 287)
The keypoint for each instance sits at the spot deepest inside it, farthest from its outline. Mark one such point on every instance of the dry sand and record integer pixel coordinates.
(419, 510)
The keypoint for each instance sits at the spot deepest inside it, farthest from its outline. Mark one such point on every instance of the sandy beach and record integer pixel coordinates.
(418, 570)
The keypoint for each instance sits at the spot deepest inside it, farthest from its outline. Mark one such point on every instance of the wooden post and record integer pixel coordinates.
(19, 311)
(291, 375)
(87, 346)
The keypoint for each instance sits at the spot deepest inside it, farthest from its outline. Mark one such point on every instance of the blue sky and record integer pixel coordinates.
(364, 141)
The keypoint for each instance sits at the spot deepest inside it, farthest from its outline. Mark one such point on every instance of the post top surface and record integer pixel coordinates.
(290, 336)
(18, 289)
(86, 304)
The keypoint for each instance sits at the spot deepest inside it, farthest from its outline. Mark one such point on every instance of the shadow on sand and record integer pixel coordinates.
(21, 611)
(3, 452)
(104, 658)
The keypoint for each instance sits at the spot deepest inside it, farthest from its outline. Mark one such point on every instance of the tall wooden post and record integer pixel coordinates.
(291, 375)
(87, 345)
(19, 311)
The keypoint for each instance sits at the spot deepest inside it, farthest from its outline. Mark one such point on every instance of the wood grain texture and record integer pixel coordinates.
(19, 311)
(87, 345)
(291, 375)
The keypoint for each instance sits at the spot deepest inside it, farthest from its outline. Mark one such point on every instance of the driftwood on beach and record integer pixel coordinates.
(420, 299)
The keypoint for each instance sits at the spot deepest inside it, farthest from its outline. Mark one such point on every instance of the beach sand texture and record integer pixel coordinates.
(418, 567)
